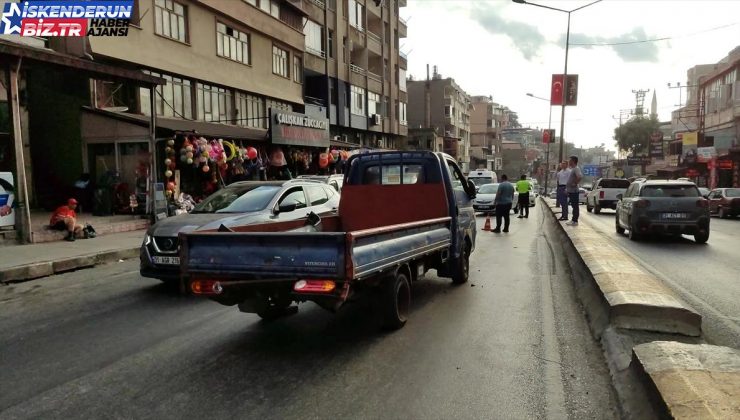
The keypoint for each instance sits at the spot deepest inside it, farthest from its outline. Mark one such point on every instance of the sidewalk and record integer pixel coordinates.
(27, 262)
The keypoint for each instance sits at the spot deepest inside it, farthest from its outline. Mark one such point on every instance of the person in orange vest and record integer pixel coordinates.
(65, 218)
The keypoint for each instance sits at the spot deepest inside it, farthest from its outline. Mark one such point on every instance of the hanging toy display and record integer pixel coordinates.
(323, 160)
(169, 164)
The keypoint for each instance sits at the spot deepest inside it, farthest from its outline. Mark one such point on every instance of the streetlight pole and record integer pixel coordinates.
(565, 72)
(547, 152)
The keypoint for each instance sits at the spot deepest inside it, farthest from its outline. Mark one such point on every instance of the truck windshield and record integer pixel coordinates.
(241, 199)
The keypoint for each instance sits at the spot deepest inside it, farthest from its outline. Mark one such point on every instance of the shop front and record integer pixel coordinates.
(195, 158)
(300, 145)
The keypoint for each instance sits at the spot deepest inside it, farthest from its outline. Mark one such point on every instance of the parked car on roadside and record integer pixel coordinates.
(582, 195)
(246, 202)
(724, 202)
(604, 194)
(663, 207)
(483, 201)
(704, 192)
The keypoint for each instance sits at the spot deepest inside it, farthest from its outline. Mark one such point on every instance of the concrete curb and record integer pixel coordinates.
(690, 381)
(616, 291)
(47, 268)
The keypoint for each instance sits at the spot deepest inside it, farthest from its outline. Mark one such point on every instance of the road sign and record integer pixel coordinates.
(591, 170)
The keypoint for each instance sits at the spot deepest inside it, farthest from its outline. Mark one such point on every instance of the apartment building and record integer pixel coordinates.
(355, 74)
(442, 104)
(486, 122)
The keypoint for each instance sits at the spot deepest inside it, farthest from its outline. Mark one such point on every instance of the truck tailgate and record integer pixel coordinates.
(241, 256)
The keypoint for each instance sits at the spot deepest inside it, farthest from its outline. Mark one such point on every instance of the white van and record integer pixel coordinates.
(482, 177)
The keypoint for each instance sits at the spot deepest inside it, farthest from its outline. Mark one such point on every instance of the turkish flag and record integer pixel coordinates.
(546, 136)
(556, 90)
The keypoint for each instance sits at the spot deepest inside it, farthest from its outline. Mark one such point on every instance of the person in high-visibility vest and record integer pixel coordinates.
(523, 187)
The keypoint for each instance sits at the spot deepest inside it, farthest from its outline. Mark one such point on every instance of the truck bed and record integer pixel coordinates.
(340, 256)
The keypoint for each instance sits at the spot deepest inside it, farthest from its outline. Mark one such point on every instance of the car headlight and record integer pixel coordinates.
(147, 239)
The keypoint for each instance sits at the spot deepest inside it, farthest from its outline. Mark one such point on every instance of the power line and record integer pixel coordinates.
(666, 38)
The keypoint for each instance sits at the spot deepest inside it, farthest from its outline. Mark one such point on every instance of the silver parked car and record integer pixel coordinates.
(240, 203)
(483, 201)
(656, 207)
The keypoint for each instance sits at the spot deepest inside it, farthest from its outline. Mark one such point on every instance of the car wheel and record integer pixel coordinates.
(588, 208)
(722, 213)
(701, 238)
(620, 229)
(396, 301)
(633, 235)
(462, 267)
(597, 209)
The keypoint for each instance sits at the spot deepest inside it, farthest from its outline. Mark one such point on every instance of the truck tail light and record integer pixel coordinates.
(702, 203)
(206, 287)
(601, 195)
(314, 286)
(642, 204)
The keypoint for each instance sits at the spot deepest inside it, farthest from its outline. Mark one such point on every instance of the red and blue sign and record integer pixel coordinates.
(67, 18)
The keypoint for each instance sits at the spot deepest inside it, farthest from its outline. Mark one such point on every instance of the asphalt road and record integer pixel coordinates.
(511, 344)
(705, 276)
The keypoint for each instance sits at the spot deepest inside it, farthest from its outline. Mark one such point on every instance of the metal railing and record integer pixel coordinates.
(321, 54)
(403, 55)
(404, 21)
(358, 70)
(359, 28)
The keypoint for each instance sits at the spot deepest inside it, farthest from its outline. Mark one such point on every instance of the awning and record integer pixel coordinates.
(169, 126)
(93, 69)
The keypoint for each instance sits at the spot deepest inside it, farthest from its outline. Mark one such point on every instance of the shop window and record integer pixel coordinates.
(170, 19)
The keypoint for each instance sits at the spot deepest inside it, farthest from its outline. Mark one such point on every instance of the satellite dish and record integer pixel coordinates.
(116, 108)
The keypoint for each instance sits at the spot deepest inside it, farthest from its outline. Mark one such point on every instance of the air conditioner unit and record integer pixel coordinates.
(376, 119)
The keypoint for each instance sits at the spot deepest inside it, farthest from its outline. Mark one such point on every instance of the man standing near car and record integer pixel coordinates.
(562, 196)
(571, 187)
(523, 187)
(503, 201)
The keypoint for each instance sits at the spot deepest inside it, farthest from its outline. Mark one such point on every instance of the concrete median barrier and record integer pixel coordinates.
(615, 290)
(690, 381)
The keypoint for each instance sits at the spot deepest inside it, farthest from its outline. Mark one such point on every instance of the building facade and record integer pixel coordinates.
(442, 104)
(487, 118)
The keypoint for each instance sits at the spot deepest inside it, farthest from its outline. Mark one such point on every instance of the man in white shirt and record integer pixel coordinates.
(572, 188)
(562, 197)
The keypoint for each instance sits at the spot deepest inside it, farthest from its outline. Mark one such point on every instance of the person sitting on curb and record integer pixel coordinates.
(65, 218)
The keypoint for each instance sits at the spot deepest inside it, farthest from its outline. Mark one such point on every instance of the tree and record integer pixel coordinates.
(634, 135)
(514, 120)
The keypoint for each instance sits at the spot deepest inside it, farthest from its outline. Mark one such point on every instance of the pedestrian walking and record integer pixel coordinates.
(523, 187)
(503, 201)
(572, 188)
(562, 196)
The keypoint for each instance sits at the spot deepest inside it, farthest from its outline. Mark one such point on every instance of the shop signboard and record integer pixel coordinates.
(705, 154)
(637, 161)
(591, 170)
(656, 145)
(724, 164)
(294, 129)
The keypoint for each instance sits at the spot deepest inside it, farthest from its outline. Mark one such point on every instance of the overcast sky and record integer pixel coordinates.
(505, 49)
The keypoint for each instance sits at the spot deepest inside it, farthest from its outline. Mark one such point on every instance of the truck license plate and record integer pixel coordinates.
(675, 215)
(166, 260)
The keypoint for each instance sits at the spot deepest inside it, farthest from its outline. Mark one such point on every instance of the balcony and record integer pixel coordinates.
(315, 62)
(402, 27)
(374, 43)
(403, 61)
(357, 36)
(357, 76)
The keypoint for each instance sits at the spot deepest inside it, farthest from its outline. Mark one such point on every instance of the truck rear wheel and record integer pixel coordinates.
(396, 301)
(461, 269)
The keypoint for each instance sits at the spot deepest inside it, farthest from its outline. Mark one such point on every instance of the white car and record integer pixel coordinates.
(485, 196)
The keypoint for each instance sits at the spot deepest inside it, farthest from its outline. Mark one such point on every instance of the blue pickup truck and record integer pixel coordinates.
(400, 215)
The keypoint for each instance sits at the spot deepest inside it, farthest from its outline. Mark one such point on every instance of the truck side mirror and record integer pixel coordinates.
(471, 189)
